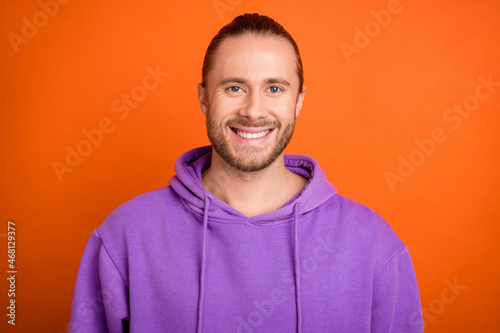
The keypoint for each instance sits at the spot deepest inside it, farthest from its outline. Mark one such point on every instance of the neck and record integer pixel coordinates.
(252, 193)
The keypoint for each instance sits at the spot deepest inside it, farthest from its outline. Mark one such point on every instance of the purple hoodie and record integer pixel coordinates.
(179, 260)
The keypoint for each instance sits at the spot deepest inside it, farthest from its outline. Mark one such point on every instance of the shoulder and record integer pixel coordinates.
(360, 229)
(144, 205)
(359, 217)
(137, 206)
(136, 223)
(139, 213)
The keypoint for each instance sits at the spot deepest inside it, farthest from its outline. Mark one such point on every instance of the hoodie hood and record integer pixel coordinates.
(187, 184)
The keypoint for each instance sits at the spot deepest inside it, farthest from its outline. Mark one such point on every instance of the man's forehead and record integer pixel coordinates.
(255, 57)
(259, 37)
(252, 43)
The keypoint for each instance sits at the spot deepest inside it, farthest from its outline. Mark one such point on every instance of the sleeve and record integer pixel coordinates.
(100, 300)
(396, 299)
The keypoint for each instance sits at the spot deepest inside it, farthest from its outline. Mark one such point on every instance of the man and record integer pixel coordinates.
(245, 238)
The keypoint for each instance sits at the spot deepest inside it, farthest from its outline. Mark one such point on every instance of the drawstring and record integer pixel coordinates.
(203, 263)
(297, 266)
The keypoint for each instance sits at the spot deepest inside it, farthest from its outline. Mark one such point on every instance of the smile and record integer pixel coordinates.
(247, 135)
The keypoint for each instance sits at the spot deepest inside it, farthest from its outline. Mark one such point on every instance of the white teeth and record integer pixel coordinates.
(252, 135)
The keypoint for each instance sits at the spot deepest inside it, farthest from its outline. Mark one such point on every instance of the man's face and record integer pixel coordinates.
(252, 100)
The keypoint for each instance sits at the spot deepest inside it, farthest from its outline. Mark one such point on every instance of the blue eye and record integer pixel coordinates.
(234, 89)
(274, 89)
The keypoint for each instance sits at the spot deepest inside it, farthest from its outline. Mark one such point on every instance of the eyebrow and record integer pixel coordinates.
(243, 81)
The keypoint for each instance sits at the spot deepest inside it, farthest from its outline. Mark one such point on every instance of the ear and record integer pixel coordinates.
(203, 98)
(300, 100)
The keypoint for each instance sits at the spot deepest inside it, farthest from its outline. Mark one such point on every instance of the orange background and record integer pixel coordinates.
(359, 116)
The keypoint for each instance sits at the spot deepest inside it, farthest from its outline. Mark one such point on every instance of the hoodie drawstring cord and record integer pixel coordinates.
(297, 266)
(201, 299)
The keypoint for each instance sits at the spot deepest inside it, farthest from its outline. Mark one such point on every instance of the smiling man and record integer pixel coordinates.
(251, 96)
(245, 238)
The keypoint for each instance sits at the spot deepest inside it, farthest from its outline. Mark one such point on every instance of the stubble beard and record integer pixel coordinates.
(251, 159)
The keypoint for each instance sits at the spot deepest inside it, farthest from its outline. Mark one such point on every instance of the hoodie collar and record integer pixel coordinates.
(187, 184)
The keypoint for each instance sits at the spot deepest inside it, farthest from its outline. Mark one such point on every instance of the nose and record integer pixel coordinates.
(253, 107)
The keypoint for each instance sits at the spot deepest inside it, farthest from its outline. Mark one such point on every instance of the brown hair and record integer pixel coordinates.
(249, 23)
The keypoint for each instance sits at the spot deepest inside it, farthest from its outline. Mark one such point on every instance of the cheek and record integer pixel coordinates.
(284, 106)
(221, 110)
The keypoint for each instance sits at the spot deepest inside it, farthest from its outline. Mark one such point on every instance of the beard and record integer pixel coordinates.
(249, 159)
